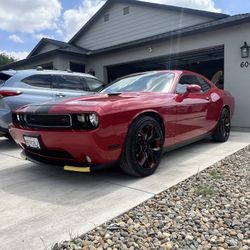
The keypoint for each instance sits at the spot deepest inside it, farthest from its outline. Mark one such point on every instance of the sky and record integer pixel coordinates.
(24, 22)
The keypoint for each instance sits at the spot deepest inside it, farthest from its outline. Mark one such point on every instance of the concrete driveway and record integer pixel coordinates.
(41, 205)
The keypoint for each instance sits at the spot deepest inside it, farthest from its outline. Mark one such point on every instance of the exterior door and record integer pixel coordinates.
(191, 110)
(35, 89)
(67, 86)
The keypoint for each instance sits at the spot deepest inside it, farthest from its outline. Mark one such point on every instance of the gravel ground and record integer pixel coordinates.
(210, 210)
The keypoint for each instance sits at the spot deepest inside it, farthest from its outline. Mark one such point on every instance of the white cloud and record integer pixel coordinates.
(29, 16)
(15, 38)
(40, 36)
(207, 5)
(17, 55)
(74, 19)
(35, 16)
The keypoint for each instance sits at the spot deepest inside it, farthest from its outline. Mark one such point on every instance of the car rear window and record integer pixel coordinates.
(4, 78)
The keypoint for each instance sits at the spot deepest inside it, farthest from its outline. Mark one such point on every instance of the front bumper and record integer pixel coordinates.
(38, 159)
(69, 147)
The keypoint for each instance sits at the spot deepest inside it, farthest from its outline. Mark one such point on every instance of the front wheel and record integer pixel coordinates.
(223, 128)
(143, 147)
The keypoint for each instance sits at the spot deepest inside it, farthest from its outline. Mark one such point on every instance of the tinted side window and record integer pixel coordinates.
(191, 79)
(184, 82)
(40, 81)
(204, 85)
(92, 84)
(68, 82)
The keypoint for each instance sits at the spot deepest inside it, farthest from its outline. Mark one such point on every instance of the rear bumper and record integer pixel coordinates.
(69, 147)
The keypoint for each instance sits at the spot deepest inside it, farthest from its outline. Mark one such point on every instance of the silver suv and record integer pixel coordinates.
(18, 88)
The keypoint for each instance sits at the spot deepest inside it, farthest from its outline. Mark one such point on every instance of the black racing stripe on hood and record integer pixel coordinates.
(43, 109)
(31, 109)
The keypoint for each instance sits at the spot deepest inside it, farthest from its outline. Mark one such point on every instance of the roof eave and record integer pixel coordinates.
(40, 56)
(36, 47)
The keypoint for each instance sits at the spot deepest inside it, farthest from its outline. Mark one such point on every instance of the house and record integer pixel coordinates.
(127, 36)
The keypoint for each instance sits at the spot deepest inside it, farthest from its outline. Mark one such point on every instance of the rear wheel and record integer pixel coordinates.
(223, 128)
(143, 147)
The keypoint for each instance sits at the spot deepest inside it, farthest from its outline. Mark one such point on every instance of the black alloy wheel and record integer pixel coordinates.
(148, 146)
(143, 148)
(223, 128)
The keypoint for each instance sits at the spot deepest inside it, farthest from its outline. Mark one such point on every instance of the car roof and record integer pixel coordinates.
(179, 72)
(8, 72)
(45, 71)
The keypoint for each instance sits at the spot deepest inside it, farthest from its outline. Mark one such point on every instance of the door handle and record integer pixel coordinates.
(60, 95)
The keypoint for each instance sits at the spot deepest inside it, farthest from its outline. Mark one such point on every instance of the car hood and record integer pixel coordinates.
(100, 103)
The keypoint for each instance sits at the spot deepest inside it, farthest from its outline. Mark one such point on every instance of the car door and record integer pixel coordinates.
(212, 105)
(191, 109)
(67, 86)
(35, 88)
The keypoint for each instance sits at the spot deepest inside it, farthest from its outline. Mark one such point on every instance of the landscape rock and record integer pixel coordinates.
(207, 211)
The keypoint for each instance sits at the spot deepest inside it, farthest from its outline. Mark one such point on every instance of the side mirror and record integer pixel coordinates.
(194, 88)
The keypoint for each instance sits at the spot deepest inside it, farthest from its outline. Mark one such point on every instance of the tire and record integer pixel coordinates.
(223, 128)
(143, 147)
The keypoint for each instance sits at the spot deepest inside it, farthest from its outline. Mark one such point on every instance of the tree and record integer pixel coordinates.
(6, 59)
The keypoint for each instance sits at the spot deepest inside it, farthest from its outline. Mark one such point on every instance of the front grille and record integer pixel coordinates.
(43, 120)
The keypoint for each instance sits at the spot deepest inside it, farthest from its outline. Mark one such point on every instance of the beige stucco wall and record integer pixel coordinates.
(62, 62)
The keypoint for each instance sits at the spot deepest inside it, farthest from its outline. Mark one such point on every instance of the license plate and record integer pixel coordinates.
(32, 142)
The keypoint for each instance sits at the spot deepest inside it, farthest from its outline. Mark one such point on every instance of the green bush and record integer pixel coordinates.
(6, 59)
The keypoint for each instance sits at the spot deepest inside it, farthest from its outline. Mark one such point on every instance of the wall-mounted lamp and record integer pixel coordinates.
(245, 50)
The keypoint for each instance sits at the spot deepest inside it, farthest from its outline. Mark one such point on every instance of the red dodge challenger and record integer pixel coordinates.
(130, 122)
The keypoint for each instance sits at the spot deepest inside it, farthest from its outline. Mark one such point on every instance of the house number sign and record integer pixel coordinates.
(245, 64)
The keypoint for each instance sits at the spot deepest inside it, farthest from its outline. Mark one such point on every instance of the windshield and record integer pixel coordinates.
(146, 82)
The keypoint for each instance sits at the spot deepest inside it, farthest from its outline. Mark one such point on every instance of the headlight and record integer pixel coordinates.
(94, 120)
(81, 118)
(88, 120)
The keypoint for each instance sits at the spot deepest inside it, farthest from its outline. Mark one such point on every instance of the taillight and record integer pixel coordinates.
(6, 93)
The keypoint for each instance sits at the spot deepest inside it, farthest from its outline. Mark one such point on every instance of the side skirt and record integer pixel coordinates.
(185, 143)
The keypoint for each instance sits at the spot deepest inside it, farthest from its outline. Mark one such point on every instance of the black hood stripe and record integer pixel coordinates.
(42, 109)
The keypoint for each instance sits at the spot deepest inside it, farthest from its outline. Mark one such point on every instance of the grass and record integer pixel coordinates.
(205, 191)
(216, 174)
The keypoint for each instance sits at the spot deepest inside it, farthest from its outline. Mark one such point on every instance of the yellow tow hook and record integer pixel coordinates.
(23, 156)
(77, 169)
